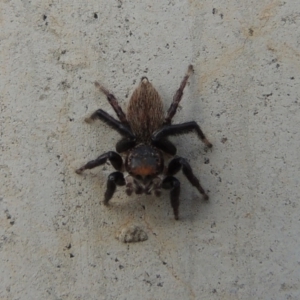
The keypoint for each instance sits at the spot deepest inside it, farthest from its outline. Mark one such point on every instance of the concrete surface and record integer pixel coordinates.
(58, 242)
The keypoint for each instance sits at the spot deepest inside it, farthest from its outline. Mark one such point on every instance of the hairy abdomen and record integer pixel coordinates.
(145, 112)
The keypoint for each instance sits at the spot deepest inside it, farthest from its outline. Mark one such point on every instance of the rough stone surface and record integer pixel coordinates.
(58, 242)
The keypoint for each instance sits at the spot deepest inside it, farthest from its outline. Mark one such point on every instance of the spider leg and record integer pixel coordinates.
(180, 163)
(177, 129)
(113, 157)
(165, 145)
(113, 102)
(173, 184)
(177, 97)
(114, 179)
(123, 129)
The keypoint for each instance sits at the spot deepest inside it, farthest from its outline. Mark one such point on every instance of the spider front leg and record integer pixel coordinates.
(173, 184)
(114, 179)
(113, 157)
(180, 163)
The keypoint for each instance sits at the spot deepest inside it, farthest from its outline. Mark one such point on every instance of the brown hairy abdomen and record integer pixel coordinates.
(145, 112)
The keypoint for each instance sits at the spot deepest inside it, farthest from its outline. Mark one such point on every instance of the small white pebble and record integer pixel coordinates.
(131, 234)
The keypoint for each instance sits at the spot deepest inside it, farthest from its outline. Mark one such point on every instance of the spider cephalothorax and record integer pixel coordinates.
(145, 129)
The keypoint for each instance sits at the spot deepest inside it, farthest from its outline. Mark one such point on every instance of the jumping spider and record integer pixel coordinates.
(145, 129)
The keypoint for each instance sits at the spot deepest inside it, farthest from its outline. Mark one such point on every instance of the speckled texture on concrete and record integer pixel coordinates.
(58, 242)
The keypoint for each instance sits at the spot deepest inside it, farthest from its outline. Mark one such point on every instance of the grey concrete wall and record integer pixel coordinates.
(57, 241)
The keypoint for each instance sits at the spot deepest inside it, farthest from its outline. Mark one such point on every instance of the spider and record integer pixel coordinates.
(145, 129)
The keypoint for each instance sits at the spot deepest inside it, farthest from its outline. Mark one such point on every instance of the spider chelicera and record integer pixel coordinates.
(145, 129)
